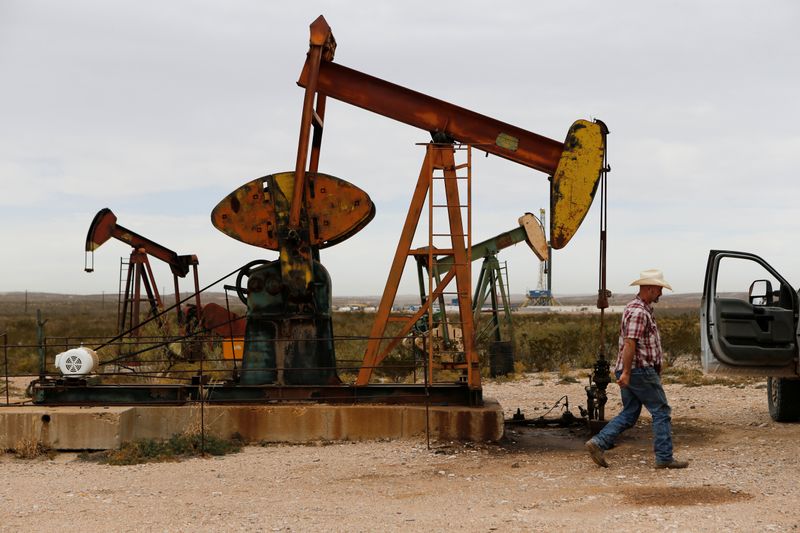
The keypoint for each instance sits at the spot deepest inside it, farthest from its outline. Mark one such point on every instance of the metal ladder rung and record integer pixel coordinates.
(451, 366)
(437, 251)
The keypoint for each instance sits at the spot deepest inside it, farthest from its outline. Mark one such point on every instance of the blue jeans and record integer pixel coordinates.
(644, 389)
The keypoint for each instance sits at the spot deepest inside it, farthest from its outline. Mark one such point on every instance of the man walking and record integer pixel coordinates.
(638, 372)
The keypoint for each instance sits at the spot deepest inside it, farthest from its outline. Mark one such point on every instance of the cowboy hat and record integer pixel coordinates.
(652, 277)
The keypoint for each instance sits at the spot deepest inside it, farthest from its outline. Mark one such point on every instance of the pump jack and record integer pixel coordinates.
(293, 213)
(210, 317)
(103, 227)
(289, 350)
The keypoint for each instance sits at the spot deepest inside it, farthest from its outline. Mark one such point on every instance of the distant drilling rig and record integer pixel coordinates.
(542, 295)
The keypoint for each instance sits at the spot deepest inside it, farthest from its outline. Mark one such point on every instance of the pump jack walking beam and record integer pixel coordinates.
(574, 165)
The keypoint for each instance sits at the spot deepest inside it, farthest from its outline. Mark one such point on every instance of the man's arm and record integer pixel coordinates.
(628, 349)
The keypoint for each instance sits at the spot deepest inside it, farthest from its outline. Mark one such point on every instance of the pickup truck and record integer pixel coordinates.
(753, 333)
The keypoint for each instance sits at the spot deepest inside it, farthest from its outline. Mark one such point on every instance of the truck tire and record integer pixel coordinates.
(783, 395)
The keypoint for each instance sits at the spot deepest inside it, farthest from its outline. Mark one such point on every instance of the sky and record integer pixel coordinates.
(158, 110)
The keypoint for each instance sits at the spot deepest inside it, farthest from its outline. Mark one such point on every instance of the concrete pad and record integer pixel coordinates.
(97, 428)
(63, 428)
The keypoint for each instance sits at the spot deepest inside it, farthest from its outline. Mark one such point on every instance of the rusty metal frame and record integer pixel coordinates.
(139, 273)
(437, 157)
(460, 251)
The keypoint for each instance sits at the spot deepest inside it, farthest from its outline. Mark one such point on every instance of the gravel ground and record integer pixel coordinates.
(743, 476)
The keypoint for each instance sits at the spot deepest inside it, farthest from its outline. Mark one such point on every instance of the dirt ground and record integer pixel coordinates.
(743, 476)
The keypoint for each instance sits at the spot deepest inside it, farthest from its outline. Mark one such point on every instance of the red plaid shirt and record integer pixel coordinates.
(639, 324)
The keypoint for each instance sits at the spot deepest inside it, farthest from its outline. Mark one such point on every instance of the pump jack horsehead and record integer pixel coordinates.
(289, 336)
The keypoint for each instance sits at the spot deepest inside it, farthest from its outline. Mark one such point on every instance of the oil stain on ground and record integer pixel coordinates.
(679, 496)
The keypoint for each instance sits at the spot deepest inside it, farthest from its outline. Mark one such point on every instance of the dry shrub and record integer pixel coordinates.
(32, 449)
(192, 442)
(694, 377)
(546, 342)
(680, 335)
(565, 375)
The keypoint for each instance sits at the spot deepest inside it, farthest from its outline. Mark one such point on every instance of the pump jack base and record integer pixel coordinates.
(99, 426)
(80, 392)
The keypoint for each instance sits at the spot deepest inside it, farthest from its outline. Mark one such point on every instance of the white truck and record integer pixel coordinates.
(754, 333)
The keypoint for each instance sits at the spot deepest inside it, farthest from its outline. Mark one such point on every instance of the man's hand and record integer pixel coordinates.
(628, 349)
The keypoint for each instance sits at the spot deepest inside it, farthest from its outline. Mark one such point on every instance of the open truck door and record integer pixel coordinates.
(749, 319)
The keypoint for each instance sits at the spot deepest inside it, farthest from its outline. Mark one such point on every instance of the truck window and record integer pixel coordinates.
(737, 275)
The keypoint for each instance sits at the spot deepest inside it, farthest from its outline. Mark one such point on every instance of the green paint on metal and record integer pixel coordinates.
(509, 142)
(485, 248)
(288, 342)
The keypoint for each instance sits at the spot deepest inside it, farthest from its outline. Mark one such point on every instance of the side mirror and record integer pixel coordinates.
(760, 292)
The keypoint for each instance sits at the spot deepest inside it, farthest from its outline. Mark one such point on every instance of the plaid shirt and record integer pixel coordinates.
(639, 324)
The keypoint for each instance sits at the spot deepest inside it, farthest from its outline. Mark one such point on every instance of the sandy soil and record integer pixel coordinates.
(743, 476)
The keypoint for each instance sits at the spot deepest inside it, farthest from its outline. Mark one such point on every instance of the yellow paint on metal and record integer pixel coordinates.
(295, 257)
(335, 210)
(576, 178)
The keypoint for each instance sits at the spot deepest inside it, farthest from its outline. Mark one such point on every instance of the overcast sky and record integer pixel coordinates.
(158, 110)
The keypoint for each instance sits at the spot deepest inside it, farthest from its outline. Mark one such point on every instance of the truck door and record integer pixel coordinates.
(748, 317)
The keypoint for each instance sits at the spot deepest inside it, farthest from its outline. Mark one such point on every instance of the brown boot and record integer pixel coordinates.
(596, 453)
(673, 464)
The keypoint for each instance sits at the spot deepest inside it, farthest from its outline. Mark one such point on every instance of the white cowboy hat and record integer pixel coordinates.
(652, 277)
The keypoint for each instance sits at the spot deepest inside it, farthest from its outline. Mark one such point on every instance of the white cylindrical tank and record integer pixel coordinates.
(76, 362)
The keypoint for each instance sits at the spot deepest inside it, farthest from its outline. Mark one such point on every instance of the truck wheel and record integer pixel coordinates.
(784, 399)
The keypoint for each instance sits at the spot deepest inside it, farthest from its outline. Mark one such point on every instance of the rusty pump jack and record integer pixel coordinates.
(103, 227)
(289, 334)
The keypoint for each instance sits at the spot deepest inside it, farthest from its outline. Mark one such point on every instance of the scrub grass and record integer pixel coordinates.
(694, 377)
(542, 341)
(178, 447)
(32, 449)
